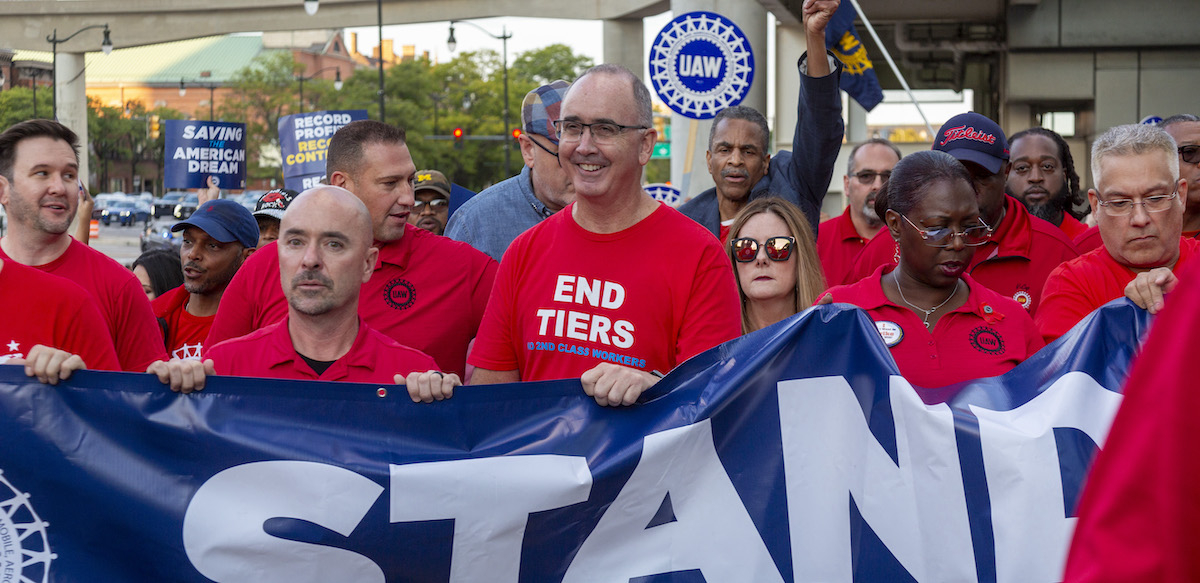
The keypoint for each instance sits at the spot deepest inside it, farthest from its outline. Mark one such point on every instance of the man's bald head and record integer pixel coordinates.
(325, 251)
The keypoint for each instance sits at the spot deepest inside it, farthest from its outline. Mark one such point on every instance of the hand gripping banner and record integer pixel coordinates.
(793, 454)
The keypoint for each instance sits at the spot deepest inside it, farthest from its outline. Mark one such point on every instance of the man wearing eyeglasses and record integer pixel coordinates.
(618, 288)
(738, 156)
(1138, 205)
(1022, 250)
(490, 220)
(842, 238)
(432, 205)
(1185, 129)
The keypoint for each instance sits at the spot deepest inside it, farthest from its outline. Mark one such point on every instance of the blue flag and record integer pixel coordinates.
(858, 74)
(792, 454)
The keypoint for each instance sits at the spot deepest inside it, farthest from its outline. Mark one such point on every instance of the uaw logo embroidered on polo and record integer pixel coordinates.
(1023, 298)
(987, 340)
(399, 293)
(24, 547)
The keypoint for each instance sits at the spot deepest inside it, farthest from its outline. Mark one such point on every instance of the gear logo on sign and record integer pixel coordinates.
(700, 64)
(24, 547)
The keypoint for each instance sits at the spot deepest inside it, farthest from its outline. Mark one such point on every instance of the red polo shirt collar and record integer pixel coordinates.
(397, 252)
(872, 297)
(278, 351)
(1013, 237)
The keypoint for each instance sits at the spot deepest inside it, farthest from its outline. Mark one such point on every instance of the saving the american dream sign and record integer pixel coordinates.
(196, 150)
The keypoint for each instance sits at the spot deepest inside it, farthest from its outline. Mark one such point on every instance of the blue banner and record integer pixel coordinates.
(858, 74)
(303, 141)
(196, 150)
(792, 454)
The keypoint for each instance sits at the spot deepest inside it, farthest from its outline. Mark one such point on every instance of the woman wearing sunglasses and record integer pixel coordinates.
(778, 272)
(941, 326)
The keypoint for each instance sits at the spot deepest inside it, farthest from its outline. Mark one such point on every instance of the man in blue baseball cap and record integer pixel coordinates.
(217, 238)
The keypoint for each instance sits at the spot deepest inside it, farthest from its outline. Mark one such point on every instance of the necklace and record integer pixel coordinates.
(930, 311)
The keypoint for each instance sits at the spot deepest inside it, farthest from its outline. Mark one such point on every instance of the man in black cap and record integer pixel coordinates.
(432, 207)
(217, 238)
(1023, 249)
(269, 211)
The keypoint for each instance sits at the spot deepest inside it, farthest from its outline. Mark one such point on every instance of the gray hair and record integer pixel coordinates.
(641, 95)
(1177, 118)
(1134, 140)
(744, 113)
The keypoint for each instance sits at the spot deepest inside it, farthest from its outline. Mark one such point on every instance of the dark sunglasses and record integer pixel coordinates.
(1190, 154)
(868, 176)
(745, 249)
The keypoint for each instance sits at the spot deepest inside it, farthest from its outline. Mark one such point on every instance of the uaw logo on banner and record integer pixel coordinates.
(793, 454)
(303, 141)
(196, 150)
(700, 64)
(664, 192)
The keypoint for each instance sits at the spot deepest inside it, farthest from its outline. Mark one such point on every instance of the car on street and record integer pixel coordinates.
(125, 213)
(165, 206)
(187, 206)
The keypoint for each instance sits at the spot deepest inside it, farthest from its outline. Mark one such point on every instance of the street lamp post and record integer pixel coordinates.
(54, 41)
(311, 6)
(337, 82)
(212, 89)
(503, 38)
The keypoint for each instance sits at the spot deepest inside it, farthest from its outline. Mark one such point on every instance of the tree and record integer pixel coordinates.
(263, 91)
(16, 105)
(550, 63)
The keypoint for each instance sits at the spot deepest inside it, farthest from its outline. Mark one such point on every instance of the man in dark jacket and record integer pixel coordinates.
(737, 145)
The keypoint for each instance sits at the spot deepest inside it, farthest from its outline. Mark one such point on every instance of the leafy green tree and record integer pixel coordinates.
(542, 66)
(121, 137)
(263, 92)
(16, 105)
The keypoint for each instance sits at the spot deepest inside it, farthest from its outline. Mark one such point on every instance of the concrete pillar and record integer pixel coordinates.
(690, 173)
(856, 123)
(623, 44)
(69, 86)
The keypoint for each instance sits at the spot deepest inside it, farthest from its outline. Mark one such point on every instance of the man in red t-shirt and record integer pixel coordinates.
(1042, 176)
(426, 291)
(1023, 249)
(1138, 205)
(325, 255)
(617, 289)
(46, 309)
(217, 238)
(40, 190)
(842, 238)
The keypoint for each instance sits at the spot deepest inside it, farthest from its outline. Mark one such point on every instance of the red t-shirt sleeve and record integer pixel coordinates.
(139, 341)
(493, 348)
(713, 313)
(1062, 304)
(80, 337)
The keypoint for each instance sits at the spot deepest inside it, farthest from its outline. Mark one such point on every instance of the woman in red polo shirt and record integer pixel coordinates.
(941, 326)
(775, 260)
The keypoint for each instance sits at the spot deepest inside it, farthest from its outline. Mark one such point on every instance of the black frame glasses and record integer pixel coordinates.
(971, 236)
(745, 249)
(1189, 154)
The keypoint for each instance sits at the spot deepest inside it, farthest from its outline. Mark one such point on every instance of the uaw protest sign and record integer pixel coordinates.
(196, 150)
(303, 141)
(792, 454)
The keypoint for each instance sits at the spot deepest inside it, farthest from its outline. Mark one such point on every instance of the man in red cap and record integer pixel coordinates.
(1023, 249)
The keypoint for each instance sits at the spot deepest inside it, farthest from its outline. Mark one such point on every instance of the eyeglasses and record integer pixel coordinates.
(602, 132)
(544, 148)
(745, 249)
(868, 176)
(1189, 154)
(971, 236)
(1119, 207)
(434, 204)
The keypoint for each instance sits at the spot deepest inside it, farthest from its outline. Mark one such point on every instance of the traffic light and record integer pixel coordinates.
(155, 127)
(458, 138)
(516, 133)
